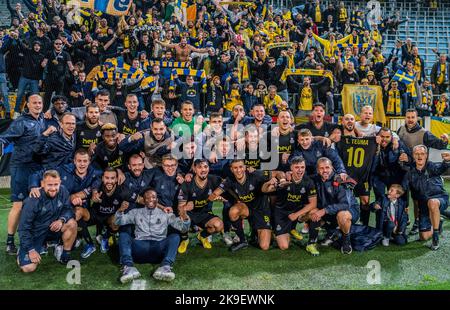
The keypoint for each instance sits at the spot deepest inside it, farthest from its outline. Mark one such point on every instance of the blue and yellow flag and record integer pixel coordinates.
(111, 7)
(403, 77)
(354, 97)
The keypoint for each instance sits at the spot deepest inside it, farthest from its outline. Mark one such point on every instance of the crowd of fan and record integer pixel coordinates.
(53, 51)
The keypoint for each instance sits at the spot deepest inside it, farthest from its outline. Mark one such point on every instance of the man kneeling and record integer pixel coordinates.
(337, 206)
(48, 217)
(151, 243)
(294, 202)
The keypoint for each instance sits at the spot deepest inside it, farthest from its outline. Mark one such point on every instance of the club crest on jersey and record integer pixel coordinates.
(278, 227)
(329, 189)
(116, 202)
(302, 191)
(98, 134)
(82, 133)
(209, 192)
(60, 203)
(251, 187)
(143, 183)
(319, 154)
(194, 195)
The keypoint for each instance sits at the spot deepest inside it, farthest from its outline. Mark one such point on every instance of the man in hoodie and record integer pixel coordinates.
(31, 74)
(151, 243)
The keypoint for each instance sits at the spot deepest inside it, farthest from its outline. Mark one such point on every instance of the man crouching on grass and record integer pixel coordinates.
(151, 243)
(48, 217)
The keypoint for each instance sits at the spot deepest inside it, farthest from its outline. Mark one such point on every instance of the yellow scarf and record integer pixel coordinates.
(441, 78)
(318, 14)
(207, 66)
(342, 15)
(426, 97)
(440, 107)
(394, 103)
(243, 70)
(418, 67)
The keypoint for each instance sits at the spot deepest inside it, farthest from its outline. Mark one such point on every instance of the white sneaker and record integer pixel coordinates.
(164, 273)
(327, 242)
(227, 239)
(58, 252)
(129, 274)
(385, 242)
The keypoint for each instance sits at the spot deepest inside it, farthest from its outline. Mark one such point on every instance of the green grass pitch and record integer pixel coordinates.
(413, 266)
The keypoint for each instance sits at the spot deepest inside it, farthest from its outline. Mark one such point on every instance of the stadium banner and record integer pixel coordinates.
(354, 97)
(440, 126)
(6, 151)
(111, 7)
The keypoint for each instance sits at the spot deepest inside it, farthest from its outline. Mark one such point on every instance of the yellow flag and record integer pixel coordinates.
(439, 126)
(354, 97)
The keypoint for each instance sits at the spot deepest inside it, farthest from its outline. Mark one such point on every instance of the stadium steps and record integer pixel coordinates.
(5, 16)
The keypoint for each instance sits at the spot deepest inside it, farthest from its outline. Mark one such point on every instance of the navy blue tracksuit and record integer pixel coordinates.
(55, 150)
(335, 196)
(24, 133)
(71, 181)
(36, 217)
(427, 184)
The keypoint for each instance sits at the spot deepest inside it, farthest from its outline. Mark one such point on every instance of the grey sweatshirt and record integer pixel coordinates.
(151, 224)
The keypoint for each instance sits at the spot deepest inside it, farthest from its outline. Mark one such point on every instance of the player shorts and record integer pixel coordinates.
(281, 222)
(362, 189)
(201, 218)
(424, 215)
(19, 182)
(39, 244)
(259, 218)
(98, 218)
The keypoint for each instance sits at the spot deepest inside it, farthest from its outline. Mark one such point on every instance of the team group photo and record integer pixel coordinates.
(218, 144)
